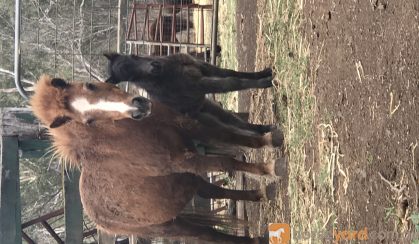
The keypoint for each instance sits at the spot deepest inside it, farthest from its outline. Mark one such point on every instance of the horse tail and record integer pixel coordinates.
(225, 223)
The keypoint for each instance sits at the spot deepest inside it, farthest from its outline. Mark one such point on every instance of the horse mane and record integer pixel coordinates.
(47, 103)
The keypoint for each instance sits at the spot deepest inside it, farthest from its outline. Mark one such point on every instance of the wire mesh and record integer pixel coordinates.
(68, 38)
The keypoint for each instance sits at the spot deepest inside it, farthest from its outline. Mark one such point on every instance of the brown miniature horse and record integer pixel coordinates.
(120, 191)
(153, 138)
(181, 82)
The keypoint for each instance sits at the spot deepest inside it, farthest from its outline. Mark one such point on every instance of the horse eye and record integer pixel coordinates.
(90, 86)
(89, 122)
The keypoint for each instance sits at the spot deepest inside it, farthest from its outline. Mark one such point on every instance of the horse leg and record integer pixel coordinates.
(211, 70)
(229, 118)
(208, 190)
(211, 120)
(199, 164)
(214, 129)
(227, 84)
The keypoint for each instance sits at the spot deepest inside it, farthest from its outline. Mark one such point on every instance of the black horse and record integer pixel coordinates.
(181, 82)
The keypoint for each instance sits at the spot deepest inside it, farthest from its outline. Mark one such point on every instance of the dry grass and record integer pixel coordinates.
(293, 99)
(227, 40)
(311, 210)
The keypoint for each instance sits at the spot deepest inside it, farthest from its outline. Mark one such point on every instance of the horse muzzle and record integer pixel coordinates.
(143, 106)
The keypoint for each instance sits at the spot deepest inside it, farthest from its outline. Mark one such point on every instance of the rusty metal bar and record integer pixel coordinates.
(131, 19)
(27, 238)
(43, 218)
(52, 232)
(158, 23)
(146, 25)
(136, 27)
(136, 32)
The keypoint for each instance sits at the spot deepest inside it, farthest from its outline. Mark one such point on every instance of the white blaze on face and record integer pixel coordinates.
(83, 106)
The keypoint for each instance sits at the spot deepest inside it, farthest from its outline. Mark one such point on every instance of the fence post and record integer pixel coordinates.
(10, 221)
(18, 128)
(73, 212)
(16, 124)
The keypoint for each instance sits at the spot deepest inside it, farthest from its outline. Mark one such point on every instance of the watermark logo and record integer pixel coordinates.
(279, 233)
(350, 235)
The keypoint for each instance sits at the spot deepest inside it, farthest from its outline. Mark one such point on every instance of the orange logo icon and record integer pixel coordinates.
(279, 233)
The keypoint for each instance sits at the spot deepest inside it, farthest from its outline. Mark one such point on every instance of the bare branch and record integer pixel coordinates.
(13, 90)
(10, 73)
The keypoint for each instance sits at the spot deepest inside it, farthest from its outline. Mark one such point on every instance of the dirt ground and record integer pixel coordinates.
(367, 85)
(365, 59)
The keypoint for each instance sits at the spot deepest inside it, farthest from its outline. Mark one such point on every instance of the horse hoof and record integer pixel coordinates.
(266, 72)
(263, 129)
(266, 82)
(275, 138)
(271, 191)
(281, 167)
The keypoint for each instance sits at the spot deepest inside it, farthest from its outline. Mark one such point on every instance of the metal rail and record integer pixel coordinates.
(43, 221)
(214, 32)
(18, 82)
(170, 6)
(169, 44)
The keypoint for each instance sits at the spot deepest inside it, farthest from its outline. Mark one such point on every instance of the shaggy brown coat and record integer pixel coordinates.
(119, 188)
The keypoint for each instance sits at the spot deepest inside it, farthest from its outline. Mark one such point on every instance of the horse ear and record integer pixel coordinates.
(111, 56)
(59, 121)
(59, 83)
